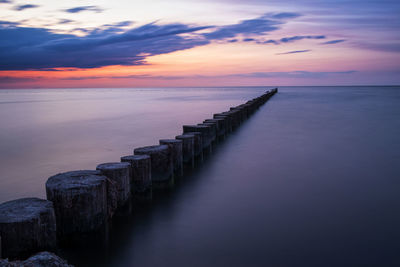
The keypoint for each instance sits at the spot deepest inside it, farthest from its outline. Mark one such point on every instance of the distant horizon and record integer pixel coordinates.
(125, 44)
(183, 87)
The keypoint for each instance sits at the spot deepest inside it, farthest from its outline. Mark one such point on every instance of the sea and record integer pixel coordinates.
(311, 179)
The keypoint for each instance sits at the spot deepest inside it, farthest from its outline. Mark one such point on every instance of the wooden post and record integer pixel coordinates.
(162, 170)
(140, 177)
(27, 225)
(177, 158)
(187, 148)
(83, 202)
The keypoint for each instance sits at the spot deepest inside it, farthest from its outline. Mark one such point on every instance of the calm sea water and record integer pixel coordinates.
(311, 179)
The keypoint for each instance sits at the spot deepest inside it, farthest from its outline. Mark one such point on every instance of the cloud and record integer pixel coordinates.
(258, 26)
(294, 52)
(65, 21)
(23, 7)
(269, 42)
(5, 1)
(333, 42)
(290, 39)
(248, 40)
(285, 15)
(384, 47)
(293, 74)
(84, 8)
(26, 48)
(252, 75)
(121, 24)
(5, 24)
(12, 79)
(36, 48)
(301, 37)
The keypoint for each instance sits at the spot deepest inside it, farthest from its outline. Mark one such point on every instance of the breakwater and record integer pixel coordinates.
(83, 201)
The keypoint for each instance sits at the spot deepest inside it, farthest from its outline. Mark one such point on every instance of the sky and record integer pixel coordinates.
(158, 43)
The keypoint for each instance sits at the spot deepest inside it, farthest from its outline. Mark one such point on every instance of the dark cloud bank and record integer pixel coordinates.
(23, 48)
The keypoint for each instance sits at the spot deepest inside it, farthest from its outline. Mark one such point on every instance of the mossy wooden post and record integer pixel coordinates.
(141, 188)
(27, 225)
(177, 158)
(162, 169)
(187, 148)
(119, 173)
(83, 203)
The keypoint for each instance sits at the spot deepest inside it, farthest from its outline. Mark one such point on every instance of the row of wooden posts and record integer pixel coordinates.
(82, 202)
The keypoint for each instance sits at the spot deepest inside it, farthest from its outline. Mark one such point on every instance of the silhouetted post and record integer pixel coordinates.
(234, 118)
(27, 225)
(227, 119)
(176, 149)
(213, 132)
(206, 133)
(141, 188)
(197, 145)
(214, 129)
(187, 148)
(162, 170)
(244, 108)
(220, 124)
(119, 173)
(240, 113)
(251, 107)
(83, 202)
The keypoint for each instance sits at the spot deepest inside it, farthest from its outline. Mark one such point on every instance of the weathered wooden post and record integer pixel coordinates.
(234, 118)
(251, 107)
(187, 148)
(119, 173)
(206, 133)
(213, 130)
(27, 225)
(162, 170)
(197, 145)
(220, 124)
(227, 119)
(83, 202)
(140, 177)
(177, 158)
(245, 110)
(240, 113)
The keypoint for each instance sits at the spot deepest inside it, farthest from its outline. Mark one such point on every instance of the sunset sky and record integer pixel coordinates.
(125, 43)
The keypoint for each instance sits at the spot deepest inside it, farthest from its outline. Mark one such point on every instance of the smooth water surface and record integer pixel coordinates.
(311, 179)
(44, 132)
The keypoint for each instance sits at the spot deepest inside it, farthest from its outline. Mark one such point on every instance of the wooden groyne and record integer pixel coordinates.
(81, 203)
